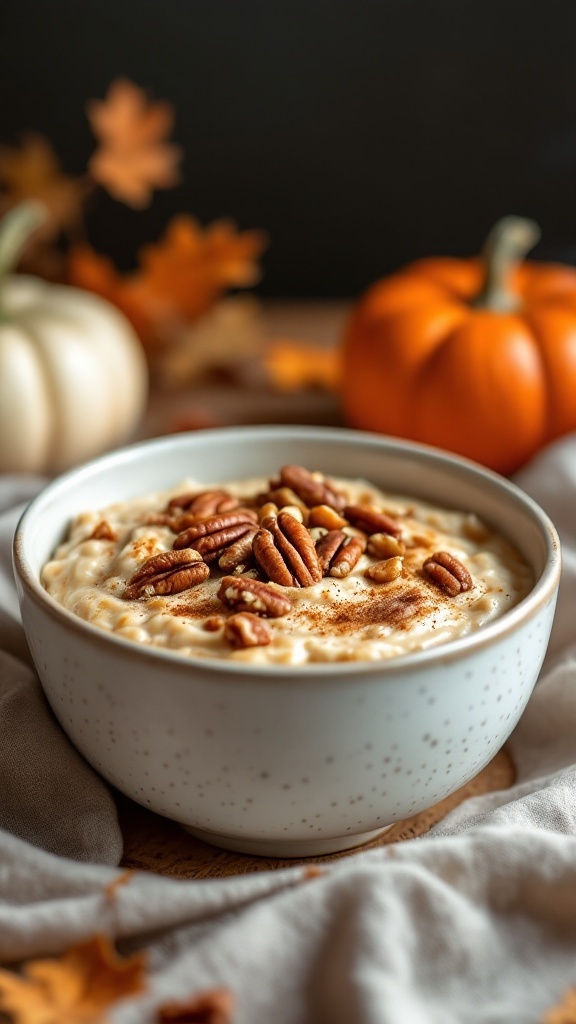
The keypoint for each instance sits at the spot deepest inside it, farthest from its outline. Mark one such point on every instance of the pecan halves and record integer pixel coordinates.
(211, 536)
(204, 503)
(169, 572)
(295, 547)
(448, 573)
(245, 595)
(371, 520)
(246, 630)
(239, 553)
(270, 560)
(309, 489)
(338, 553)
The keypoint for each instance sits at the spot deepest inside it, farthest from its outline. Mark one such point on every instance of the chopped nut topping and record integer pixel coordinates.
(323, 515)
(382, 545)
(254, 596)
(269, 508)
(246, 630)
(385, 571)
(282, 496)
(448, 573)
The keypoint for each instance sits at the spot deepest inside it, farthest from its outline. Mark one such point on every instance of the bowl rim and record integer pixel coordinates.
(544, 590)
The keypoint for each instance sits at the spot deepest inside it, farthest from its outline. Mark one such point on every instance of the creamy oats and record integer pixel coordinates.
(108, 571)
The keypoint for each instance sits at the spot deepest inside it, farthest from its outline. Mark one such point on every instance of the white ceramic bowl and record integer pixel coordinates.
(278, 760)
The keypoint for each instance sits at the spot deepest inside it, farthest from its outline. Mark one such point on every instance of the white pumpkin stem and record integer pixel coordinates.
(15, 230)
(509, 241)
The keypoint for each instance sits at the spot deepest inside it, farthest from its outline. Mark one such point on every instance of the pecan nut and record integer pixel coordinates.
(338, 553)
(311, 490)
(204, 503)
(448, 573)
(211, 536)
(246, 630)
(247, 595)
(295, 547)
(270, 560)
(327, 546)
(327, 517)
(385, 571)
(372, 520)
(238, 553)
(347, 557)
(169, 572)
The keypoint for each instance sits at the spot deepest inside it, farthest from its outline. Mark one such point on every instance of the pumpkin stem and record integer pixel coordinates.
(15, 230)
(509, 241)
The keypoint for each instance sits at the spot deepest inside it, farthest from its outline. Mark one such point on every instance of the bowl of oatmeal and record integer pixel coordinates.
(286, 638)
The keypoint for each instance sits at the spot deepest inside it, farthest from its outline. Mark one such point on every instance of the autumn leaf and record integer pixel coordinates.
(111, 889)
(75, 988)
(96, 273)
(32, 171)
(296, 366)
(228, 341)
(212, 1007)
(191, 266)
(178, 279)
(133, 157)
(565, 1012)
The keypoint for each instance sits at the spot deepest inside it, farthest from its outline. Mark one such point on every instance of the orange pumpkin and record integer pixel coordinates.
(474, 355)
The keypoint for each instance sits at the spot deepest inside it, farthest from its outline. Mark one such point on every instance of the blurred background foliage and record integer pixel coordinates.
(359, 134)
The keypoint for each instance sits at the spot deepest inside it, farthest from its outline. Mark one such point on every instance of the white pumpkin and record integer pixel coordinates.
(73, 376)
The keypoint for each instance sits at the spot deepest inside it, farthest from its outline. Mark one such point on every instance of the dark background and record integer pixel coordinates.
(359, 133)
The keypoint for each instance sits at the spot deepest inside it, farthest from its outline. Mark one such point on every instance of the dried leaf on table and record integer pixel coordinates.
(213, 1007)
(78, 987)
(228, 339)
(32, 171)
(133, 157)
(111, 890)
(565, 1012)
(178, 280)
(296, 366)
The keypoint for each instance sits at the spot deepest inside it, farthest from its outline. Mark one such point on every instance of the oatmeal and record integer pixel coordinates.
(299, 569)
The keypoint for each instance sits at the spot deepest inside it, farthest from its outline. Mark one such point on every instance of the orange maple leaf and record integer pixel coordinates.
(191, 266)
(133, 157)
(179, 278)
(32, 171)
(212, 1007)
(565, 1012)
(96, 273)
(76, 988)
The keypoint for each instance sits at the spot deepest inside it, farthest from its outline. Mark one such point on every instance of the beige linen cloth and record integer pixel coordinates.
(474, 923)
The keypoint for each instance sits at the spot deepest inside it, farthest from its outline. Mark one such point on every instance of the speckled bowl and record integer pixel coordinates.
(276, 760)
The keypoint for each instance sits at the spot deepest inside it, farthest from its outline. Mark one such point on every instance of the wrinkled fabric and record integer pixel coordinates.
(473, 923)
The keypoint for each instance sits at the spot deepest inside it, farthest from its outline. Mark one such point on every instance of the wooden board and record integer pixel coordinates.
(153, 843)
